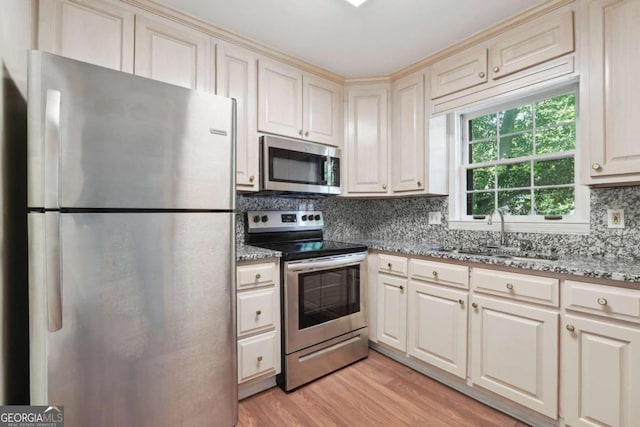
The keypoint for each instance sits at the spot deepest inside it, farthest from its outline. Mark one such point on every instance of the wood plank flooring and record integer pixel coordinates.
(377, 391)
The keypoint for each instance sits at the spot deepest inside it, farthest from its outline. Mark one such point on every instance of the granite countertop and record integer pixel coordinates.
(252, 253)
(627, 270)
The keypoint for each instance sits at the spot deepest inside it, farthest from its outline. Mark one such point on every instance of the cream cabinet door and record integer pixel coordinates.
(541, 40)
(172, 54)
(461, 71)
(237, 78)
(514, 352)
(600, 369)
(613, 101)
(408, 143)
(392, 312)
(321, 112)
(437, 327)
(93, 31)
(279, 99)
(366, 146)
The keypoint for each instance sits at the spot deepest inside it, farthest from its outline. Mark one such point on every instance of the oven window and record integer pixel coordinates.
(328, 295)
(297, 167)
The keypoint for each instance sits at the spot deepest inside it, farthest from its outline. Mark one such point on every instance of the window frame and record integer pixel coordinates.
(578, 223)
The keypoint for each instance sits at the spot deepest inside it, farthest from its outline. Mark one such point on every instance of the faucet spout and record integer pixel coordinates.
(490, 222)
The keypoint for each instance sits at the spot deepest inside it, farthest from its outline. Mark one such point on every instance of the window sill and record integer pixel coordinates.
(560, 227)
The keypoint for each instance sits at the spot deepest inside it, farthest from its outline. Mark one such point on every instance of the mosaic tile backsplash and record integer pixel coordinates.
(405, 220)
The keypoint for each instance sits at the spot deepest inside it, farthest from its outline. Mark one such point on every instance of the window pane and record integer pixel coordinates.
(556, 110)
(554, 172)
(515, 202)
(516, 145)
(481, 178)
(516, 119)
(480, 203)
(557, 139)
(484, 151)
(482, 127)
(512, 176)
(555, 201)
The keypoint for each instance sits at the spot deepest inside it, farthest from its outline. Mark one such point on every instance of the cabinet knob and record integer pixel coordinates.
(596, 166)
(474, 305)
(435, 274)
(252, 178)
(570, 328)
(258, 276)
(384, 186)
(300, 132)
(259, 359)
(401, 288)
(602, 301)
(389, 266)
(509, 286)
(419, 184)
(496, 69)
(461, 302)
(306, 133)
(258, 312)
(481, 74)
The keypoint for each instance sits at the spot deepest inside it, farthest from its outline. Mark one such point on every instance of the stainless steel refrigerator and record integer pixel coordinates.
(131, 196)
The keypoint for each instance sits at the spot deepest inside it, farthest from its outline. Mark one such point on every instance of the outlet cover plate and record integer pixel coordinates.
(435, 218)
(615, 218)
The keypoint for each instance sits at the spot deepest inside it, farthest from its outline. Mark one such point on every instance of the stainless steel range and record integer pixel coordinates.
(323, 313)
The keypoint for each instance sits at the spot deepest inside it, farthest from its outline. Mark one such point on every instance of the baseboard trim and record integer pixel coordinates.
(254, 387)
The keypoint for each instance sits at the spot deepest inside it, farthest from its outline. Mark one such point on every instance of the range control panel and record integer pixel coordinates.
(272, 221)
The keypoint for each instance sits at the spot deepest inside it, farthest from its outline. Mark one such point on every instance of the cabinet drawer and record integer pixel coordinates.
(444, 274)
(252, 275)
(617, 303)
(391, 264)
(523, 287)
(257, 356)
(256, 310)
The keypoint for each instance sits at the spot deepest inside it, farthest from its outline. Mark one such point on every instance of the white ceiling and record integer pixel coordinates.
(377, 38)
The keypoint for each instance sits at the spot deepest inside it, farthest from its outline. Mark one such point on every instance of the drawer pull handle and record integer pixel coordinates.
(474, 305)
(509, 286)
(259, 359)
(602, 301)
(435, 274)
(258, 313)
(389, 266)
(461, 302)
(570, 328)
(481, 75)
(496, 69)
(258, 276)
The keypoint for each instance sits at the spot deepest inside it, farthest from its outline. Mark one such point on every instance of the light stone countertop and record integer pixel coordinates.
(252, 253)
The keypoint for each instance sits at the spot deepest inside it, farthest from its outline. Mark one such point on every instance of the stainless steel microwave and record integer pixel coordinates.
(290, 165)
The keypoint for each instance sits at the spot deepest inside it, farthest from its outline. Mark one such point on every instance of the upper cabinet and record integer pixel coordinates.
(173, 54)
(93, 31)
(516, 58)
(610, 103)
(237, 78)
(292, 103)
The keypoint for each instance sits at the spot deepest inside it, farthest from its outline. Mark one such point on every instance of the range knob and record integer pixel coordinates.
(256, 218)
(304, 217)
(265, 218)
(317, 218)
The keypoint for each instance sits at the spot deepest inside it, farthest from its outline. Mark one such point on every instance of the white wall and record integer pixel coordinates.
(16, 36)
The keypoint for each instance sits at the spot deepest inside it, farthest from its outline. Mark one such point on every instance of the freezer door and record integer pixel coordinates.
(146, 332)
(100, 138)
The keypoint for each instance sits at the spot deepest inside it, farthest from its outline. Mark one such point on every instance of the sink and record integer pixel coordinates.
(500, 254)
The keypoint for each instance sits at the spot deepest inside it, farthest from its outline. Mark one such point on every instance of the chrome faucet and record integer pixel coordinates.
(490, 222)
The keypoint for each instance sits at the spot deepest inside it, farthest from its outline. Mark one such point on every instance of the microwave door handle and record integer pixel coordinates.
(324, 265)
(329, 171)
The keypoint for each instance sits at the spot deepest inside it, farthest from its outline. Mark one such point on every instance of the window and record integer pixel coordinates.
(521, 159)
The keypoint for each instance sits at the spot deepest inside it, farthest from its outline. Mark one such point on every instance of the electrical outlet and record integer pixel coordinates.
(615, 218)
(435, 218)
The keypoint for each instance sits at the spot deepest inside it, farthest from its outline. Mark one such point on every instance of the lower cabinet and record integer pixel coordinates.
(392, 311)
(437, 327)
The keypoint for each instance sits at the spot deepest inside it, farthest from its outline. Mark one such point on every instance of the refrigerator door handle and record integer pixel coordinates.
(51, 147)
(52, 276)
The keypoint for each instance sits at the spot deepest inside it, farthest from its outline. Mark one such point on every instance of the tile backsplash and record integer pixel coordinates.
(405, 220)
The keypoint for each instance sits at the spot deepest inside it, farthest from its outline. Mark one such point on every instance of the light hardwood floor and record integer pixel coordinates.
(377, 391)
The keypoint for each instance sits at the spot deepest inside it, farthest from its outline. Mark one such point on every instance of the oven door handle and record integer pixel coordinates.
(314, 265)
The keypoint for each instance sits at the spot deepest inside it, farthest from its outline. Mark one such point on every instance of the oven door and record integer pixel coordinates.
(324, 298)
